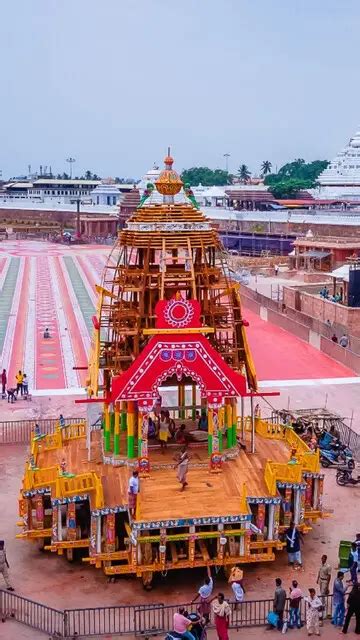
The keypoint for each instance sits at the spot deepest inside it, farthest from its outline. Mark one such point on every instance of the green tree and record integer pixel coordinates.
(244, 173)
(289, 188)
(88, 175)
(298, 170)
(266, 167)
(205, 176)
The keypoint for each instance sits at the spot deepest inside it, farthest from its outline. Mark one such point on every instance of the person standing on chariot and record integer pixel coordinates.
(183, 466)
(133, 491)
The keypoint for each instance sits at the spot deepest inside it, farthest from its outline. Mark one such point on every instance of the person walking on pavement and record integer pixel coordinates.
(19, 382)
(339, 600)
(313, 606)
(3, 382)
(323, 580)
(279, 602)
(205, 592)
(353, 607)
(296, 596)
(4, 566)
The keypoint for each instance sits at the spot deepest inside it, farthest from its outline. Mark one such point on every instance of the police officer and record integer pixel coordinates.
(4, 566)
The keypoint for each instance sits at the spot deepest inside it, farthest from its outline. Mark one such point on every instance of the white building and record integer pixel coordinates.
(341, 179)
(109, 192)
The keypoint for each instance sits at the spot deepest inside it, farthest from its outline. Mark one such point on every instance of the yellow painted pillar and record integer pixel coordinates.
(210, 429)
(234, 421)
(228, 422)
(181, 402)
(193, 401)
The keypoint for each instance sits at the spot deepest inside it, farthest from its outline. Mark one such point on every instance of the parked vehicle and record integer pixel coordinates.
(344, 477)
(338, 456)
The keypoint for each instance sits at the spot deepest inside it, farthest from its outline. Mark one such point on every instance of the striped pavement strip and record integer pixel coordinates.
(29, 351)
(87, 278)
(4, 272)
(71, 376)
(9, 308)
(86, 305)
(81, 326)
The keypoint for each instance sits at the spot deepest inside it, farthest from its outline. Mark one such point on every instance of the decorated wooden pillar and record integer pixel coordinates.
(321, 491)
(162, 549)
(110, 533)
(221, 542)
(192, 544)
(193, 401)
(71, 521)
(302, 506)
(25, 509)
(242, 545)
(93, 534)
(234, 421)
(260, 518)
(98, 534)
(123, 410)
(308, 492)
(287, 506)
(214, 434)
(39, 509)
(276, 520)
(143, 454)
(59, 524)
(117, 430)
(297, 495)
(247, 539)
(54, 524)
(181, 400)
(270, 535)
(228, 422)
(315, 497)
(107, 437)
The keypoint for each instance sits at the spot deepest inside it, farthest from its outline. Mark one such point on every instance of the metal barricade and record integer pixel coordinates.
(33, 614)
(19, 431)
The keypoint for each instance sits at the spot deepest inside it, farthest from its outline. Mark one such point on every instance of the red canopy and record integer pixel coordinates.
(180, 355)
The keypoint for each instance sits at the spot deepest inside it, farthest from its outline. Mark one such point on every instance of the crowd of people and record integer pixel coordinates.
(21, 386)
(325, 293)
(288, 605)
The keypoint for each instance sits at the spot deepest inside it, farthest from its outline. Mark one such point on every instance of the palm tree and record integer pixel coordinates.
(266, 167)
(244, 173)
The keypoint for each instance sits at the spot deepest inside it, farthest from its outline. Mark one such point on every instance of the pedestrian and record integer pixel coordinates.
(334, 338)
(25, 385)
(323, 580)
(237, 585)
(353, 607)
(133, 491)
(344, 341)
(61, 421)
(19, 383)
(222, 612)
(164, 431)
(46, 333)
(353, 563)
(296, 596)
(183, 465)
(181, 624)
(204, 593)
(293, 539)
(279, 602)
(313, 607)
(276, 269)
(3, 383)
(338, 600)
(4, 566)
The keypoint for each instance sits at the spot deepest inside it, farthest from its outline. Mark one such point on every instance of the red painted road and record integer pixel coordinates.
(280, 355)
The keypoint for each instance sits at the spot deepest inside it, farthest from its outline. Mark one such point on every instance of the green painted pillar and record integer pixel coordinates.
(130, 430)
(123, 417)
(107, 438)
(116, 430)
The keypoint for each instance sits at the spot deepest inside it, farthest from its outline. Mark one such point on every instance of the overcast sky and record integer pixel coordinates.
(113, 82)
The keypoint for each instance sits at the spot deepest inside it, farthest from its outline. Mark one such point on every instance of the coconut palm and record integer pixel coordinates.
(266, 167)
(244, 173)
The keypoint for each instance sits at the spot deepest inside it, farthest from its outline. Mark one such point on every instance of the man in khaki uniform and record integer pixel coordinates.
(4, 566)
(323, 580)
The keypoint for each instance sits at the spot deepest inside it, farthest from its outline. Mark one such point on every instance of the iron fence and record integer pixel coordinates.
(139, 620)
(32, 614)
(19, 431)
